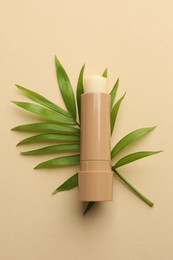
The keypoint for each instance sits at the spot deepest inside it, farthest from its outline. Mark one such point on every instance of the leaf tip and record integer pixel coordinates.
(57, 62)
(89, 206)
(54, 192)
(105, 73)
(82, 70)
(24, 153)
(160, 151)
(154, 127)
(85, 211)
(37, 167)
(124, 94)
(117, 83)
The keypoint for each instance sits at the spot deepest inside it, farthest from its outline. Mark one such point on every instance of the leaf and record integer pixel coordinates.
(65, 88)
(80, 89)
(105, 73)
(45, 113)
(44, 127)
(53, 149)
(68, 184)
(89, 206)
(114, 92)
(133, 157)
(133, 189)
(60, 161)
(128, 139)
(49, 137)
(114, 112)
(43, 101)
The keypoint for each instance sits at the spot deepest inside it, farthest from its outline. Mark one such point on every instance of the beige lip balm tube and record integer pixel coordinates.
(95, 175)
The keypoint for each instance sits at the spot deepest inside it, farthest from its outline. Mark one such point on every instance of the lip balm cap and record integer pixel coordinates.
(94, 84)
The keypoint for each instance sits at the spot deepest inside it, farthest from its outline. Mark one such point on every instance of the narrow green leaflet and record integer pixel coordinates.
(60, 161)
(89, 206)
(43, 101)
(49, 137)
(133, 157)
(45, 113)
(80, 89)
(114, 92)
(44, 127)
(68, 184)
(128, 139)
(105, 73)
(133, 189)
(54, 149)
(66, 88)
(114, 112)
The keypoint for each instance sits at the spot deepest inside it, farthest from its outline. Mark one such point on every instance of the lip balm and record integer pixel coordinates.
(95, 175)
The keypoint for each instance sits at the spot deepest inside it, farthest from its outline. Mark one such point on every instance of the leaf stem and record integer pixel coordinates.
(132, 188)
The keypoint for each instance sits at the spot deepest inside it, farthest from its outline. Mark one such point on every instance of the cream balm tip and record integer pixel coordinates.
(94, 84)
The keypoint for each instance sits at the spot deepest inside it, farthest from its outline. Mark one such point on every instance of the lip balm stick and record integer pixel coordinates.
(95, 175)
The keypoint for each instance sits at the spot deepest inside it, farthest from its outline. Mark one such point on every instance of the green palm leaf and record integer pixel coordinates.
(80, 89)
(68, 184)
(44, 127)
(60, 161)
(66, 88)
(43, 101)
(53, 149)
(133, 157)
(45, 113)
(59, 131)
(50, 137)
(114, 112)
(114, 92)
(128, 139)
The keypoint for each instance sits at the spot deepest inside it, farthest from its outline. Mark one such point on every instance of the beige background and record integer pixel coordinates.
(134, 39)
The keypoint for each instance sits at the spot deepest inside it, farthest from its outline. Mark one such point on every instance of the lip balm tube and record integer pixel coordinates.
(95, 175)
